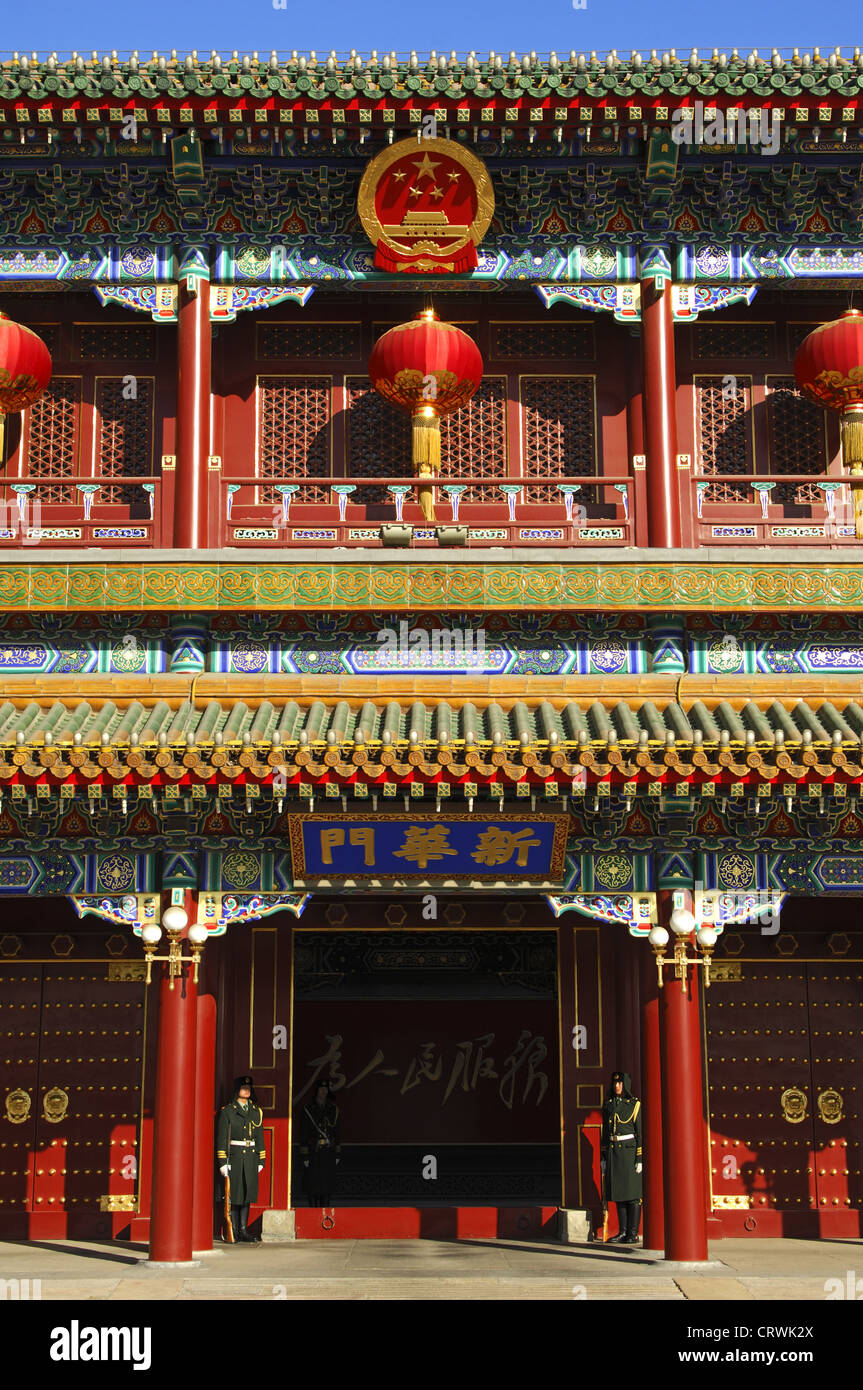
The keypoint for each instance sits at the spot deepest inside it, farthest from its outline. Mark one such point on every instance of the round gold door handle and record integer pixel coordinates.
(55, 1103)
(829, 1104)
(18, 1104)
(793, 1102)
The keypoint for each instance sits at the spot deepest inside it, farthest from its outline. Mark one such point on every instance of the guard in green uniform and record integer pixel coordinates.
(620, 1156)
(240, 1153)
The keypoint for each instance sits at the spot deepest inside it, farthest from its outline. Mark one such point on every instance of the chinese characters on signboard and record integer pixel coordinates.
(387, 848)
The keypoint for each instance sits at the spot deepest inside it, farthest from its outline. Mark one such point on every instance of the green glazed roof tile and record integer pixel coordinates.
(394, 80)
(490, 723)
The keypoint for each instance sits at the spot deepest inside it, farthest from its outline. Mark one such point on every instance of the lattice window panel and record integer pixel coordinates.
(303, 342)
(559, 431)
(473, 440)
(377, 439)
(796, 332)
(798, 440)
(295, 432)
(734, 340)
(125, 436)
(724, 434)
(49, 333)
(566, 342)
(126, 342)
(52, 437)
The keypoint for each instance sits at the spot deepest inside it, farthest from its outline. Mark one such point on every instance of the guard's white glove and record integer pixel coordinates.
(602, 1167)
(305, 1163)
(260, 1167)
(224, 1170)
(638, 1167)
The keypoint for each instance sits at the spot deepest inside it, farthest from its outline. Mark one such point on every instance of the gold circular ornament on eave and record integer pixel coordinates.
(425, 206)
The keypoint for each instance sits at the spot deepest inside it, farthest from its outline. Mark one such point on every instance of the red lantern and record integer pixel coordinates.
(25, 366)
(430, 369)
(829, 371)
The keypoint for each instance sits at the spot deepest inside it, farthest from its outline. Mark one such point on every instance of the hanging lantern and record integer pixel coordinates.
(829, 371)
(430, 369)
(25, 366)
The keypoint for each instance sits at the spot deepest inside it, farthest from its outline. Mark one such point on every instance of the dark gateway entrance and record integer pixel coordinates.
(442, 1051)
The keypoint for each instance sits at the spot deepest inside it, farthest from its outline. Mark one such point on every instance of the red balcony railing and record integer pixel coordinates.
(292, 512)
(350, 512)
(772, 509)
(31, 516)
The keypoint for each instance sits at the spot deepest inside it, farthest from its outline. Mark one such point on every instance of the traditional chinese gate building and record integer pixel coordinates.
(428, 784)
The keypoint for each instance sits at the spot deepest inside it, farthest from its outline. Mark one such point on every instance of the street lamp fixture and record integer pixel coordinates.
(682, 925)
(174, 919)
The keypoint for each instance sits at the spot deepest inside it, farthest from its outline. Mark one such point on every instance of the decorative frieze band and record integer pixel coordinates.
(480, 586)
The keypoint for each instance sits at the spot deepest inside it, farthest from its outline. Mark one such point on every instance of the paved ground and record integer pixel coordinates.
(740, 1271)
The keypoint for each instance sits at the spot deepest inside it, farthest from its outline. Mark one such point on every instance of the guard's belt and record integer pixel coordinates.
(242, 1143)
(619, 1138)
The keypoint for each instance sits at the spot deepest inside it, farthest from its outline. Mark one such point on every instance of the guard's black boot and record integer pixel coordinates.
(620, 1238)
(634, 1222)
(251, 1238)
(243, 1233)
(626, 1224)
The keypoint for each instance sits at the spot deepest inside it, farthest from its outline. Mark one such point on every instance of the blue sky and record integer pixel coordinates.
(441, 24)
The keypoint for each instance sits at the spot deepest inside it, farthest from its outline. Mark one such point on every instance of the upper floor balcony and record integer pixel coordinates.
(549, 453)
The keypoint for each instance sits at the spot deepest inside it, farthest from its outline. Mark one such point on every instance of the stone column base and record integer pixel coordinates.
(573, 1225)
(278, 1226)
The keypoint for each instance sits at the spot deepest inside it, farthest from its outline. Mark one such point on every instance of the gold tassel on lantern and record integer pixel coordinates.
(852, 454)
(426, 456)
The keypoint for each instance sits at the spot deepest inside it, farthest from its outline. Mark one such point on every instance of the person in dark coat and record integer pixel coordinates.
(240, 1153)
(620, 1156)
(320, 1146)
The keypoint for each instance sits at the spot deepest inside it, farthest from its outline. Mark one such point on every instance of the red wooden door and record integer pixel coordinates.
(785, 1124)
(20, 1021)
(74, 1049)
(836, 1007)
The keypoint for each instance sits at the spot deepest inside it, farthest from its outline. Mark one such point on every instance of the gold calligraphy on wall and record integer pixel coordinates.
(519, 1079)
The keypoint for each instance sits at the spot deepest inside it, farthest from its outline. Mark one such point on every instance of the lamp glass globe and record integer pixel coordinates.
(682, 921)
(174, 918)
(198, 934)
(658, 936)
(150, 935)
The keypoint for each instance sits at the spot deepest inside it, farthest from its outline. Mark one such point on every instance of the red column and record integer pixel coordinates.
(205, 1084)
(194, 351)
(684, 1131)
(570, 1195)
(660, 423)
(635, 439)
(174, 1122)
(653, 1234)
